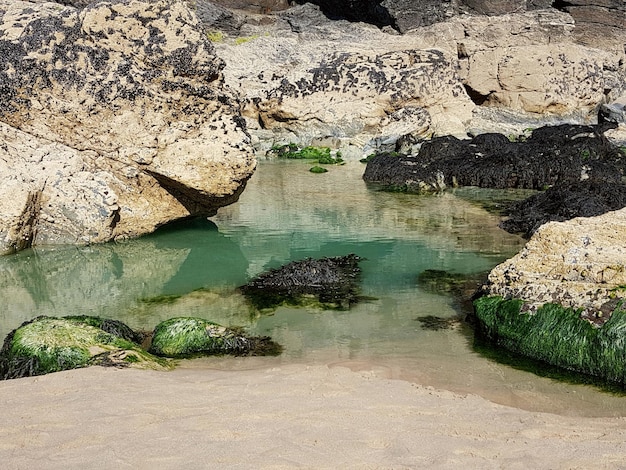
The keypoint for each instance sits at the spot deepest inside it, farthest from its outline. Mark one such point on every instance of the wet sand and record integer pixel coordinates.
(284, 416)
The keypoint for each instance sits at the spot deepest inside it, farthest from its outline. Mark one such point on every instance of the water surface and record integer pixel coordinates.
(287, 213)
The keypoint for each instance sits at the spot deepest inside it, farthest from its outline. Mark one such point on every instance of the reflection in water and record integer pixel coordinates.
(287, 213)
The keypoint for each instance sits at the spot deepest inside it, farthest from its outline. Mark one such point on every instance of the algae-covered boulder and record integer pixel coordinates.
(328, 282)
(49, 344)
(189, 336)
(550, 155)
(557, 335)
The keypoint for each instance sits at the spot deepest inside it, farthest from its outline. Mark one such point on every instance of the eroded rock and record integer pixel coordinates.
(114, 119)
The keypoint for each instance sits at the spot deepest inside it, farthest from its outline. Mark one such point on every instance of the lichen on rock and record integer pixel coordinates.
(117, 117)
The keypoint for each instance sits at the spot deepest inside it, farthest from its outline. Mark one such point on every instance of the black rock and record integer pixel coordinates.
(562, 154)
(330, 281)
(562, 202)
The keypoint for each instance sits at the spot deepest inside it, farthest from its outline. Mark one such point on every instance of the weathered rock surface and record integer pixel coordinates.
(577, 263)
(114, 119)
(409, 14)
(552, 154)
(305, 77)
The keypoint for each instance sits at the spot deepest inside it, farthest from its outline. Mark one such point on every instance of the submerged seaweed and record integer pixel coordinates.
(557, 336)
(435, 323)
(328, 282)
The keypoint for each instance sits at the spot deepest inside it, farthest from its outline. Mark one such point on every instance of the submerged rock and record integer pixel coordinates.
(331, 282)
(49, 344)
(188, 336)
(114, 120)
(552, 154)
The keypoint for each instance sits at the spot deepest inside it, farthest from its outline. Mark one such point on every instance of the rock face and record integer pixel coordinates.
(114, 119)
(304, 77)
(577, 263)
(408, 14)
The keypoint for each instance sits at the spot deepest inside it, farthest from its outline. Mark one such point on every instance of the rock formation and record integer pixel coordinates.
(303, 76)
(577, 263)
(114, 119)
(551, 155)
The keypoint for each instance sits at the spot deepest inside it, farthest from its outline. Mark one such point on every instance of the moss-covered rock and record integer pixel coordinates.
(189, 336)
(556, 335)
(49, 344)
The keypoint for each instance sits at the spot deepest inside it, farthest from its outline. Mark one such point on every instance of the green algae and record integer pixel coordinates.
(49, 344)
(190, 336)
(556, 335)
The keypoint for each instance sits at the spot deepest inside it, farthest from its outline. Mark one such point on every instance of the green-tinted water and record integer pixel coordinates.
(287, 213)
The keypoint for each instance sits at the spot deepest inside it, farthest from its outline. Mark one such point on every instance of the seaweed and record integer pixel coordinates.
(323, 155)
(114, 327)
(326, 282)
(435, 323)
(189, 336)
(556, 335)
(49, 344)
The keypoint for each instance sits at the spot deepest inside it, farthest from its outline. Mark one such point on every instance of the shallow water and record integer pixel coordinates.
(287, 213)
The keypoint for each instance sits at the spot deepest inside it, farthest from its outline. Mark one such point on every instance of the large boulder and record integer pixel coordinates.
(560, 300)
(50, 344)
(114, 119)
(577, 263)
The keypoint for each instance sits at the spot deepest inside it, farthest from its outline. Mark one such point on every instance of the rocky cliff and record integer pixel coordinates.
(304, 77)
(114, 119)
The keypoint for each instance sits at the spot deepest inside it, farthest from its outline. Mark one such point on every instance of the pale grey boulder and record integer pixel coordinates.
(114, 119)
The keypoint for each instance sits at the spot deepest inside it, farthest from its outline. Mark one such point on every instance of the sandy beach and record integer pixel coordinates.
(291, 416)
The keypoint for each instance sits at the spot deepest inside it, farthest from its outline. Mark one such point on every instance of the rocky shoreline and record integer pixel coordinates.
(119, 117)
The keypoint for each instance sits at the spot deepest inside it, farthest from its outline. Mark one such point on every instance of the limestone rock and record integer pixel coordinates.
(307, 77)
(577, 263)
(114, 119)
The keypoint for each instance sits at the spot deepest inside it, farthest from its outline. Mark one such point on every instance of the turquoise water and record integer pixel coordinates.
(287, 213)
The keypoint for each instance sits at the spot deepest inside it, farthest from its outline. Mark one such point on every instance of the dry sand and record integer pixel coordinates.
(291, 416)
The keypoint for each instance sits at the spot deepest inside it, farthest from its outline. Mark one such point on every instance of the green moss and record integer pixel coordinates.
(114, 327)
(49, 344)
(323, 155)
(318, 169)
(215, 36)
(557, 336)
(187, 336)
